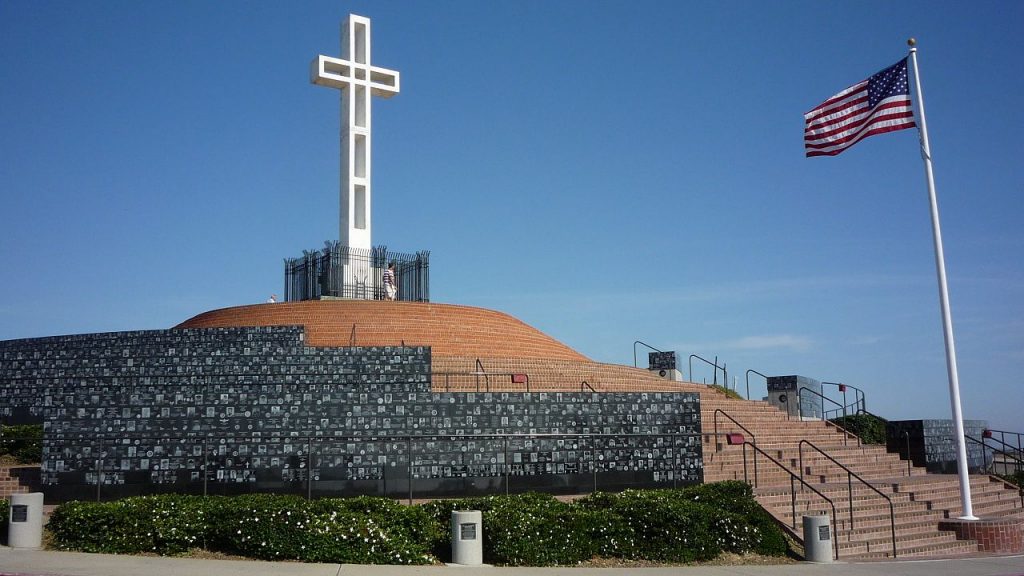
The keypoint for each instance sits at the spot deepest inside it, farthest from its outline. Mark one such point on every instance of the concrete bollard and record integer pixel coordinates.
(25, 521)
(467, 537)
(817, 539)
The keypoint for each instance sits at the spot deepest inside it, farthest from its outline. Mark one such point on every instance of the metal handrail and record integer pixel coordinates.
(645, 344)
(585, 384)
(736, 422)
(800, 406)
(1020, 490)
(352, 337)
(859, 403)
(849, 486)
(792, 489)
(480, 370)
(748, 380)
(800, 411)
(1002, 439)
(486, 375)
(906, 435)
(709, 363)
(985, 446)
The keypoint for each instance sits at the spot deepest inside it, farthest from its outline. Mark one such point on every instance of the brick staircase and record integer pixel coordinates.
(18, 479)
(919, 500)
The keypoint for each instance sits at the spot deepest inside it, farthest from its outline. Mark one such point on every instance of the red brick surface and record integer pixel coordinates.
(450, 330)
(1002, 535)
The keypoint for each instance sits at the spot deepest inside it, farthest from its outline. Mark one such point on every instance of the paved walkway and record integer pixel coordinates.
(21, 562)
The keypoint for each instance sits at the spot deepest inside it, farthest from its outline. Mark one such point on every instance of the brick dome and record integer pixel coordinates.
(463, 340)
(450, 330)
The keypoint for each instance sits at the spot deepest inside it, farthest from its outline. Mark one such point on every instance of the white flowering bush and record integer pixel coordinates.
(264, 526)
(167, 524)
(691, 524)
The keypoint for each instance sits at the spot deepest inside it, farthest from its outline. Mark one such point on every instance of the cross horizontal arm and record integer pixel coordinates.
(338, 73)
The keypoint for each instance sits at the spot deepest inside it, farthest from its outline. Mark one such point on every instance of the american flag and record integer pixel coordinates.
(877, 105)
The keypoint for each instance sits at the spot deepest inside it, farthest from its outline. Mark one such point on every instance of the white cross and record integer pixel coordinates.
(358, 81)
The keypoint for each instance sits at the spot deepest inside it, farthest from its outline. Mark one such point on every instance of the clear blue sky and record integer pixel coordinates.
(606, 171)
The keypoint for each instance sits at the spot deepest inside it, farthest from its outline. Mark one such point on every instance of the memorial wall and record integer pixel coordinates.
(257, 410)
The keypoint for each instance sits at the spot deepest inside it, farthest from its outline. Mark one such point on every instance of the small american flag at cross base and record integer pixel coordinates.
(877, 105)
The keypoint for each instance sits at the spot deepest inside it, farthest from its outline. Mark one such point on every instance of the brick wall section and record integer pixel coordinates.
(18, 479)
(1003, 536)
(450, 330)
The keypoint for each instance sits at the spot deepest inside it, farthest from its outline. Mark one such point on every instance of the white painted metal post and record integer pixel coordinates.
(947, 320)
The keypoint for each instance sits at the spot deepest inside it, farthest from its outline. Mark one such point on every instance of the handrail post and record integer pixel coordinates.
(645, 344)
(715, 439)
(409, 455)
(745, 478)
(748, 380)
(99, 473)
(792, 497)
(849, 491)
(909, 461)
(309, 468)
(206, 467)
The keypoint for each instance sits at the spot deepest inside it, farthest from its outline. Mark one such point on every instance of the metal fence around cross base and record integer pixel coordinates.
(338, 271)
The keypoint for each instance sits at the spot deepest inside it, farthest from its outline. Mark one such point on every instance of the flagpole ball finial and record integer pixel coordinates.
(912, 42)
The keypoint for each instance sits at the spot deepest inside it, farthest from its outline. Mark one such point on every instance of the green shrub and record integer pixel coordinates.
(1016, 478)
(349, 538)
(535, 530)
(691, 524)
(415, 524)
(167, 524)
(264, 526)
(661, 525)
(738, 498)
(5, 514)
(23, 443)
(870, 428)
(719, 516)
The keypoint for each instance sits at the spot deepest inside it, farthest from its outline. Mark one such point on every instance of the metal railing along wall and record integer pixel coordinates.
(320, 465)
(515, 378)
(345, 272)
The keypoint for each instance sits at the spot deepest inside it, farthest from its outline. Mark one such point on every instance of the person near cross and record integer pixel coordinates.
(390, 288)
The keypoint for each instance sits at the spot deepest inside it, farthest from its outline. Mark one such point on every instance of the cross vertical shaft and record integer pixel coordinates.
(358, 81)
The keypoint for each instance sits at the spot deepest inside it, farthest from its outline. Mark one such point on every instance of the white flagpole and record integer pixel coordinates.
(947, 320)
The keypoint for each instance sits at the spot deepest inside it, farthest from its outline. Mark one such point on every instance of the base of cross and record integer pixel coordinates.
(338, 271)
